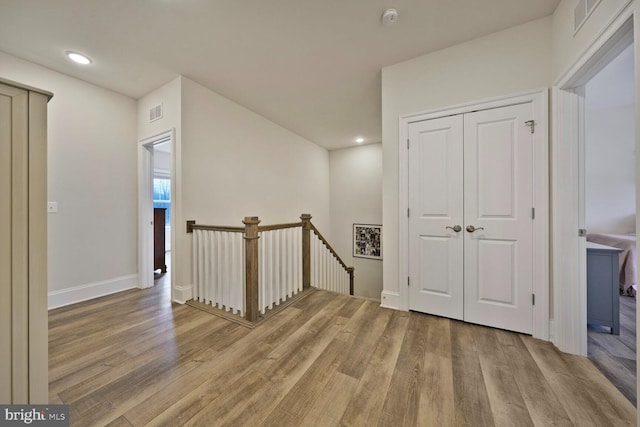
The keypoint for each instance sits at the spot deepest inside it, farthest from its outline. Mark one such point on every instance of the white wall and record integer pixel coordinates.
(356, 197)
(511, 61)
(170, 96)
(92, 176)
(236, 163)
(610, 170)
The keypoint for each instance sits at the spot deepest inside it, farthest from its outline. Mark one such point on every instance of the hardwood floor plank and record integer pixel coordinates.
(402, 402)
(507, 404)
(290, 365)
(135, 359)
(114, 399)
(355, 332)
(83, 374)
(605, 395)
(140, 358)
(198, 388)
(436, 407)
(615, 355)
(121, 421)
(577, 402)
(367, 401)
(615, 370)
(469, 390)
(88, 352)
(370, 323)
(262, 339)
(545, 407)
(330, 405)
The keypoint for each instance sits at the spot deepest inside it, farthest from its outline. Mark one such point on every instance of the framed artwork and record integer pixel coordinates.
(367, 241)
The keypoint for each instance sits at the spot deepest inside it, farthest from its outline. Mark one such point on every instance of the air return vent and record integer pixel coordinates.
(582, 11)
(155, 113)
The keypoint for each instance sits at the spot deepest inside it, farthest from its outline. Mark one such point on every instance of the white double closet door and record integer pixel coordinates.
(471, 217)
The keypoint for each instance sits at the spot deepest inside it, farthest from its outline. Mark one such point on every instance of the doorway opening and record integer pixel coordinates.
(568, 182)
(610, 220)
(162, 155)
(157, 211)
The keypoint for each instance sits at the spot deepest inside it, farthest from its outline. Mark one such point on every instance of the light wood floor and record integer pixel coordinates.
(615, 355)
(134, 359)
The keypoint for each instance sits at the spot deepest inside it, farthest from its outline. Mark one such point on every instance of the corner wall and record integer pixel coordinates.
(236, 163)
(356, 197)
(92, 176)
(567, 47)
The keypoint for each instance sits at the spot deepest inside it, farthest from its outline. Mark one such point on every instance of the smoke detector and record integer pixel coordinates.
(389, 17)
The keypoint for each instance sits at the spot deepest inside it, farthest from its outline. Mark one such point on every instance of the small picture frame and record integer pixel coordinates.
(367, 241)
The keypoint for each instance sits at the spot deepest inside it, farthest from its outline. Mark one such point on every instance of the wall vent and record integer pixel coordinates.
(155, 113)
(582, 11)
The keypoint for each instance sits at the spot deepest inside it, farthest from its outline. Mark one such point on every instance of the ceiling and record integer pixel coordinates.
(312, 66)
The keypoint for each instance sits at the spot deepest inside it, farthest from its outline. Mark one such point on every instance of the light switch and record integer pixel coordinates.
(52, 207)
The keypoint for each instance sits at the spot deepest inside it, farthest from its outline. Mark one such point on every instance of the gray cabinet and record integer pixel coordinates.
(603, 287)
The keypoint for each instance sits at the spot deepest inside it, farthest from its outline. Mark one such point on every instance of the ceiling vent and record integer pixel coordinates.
(582, 11)
(155, 113)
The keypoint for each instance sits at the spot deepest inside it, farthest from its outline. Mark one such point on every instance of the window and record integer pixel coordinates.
(162, 196)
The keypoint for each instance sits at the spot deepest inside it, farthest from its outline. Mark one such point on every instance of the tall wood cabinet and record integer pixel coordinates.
(159, 262)
(23, 244)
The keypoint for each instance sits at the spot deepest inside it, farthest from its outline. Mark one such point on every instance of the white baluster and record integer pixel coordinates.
(270, 263)
(298, 240)
(289, 284)
(262, 256)
(240, 256)
(205, 266)
(234, 274)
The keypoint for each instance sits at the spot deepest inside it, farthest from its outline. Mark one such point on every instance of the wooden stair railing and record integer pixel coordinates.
(250, 279)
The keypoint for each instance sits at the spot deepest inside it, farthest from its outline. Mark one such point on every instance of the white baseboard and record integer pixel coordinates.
(390, 300)
(91, 290)
(182, 294)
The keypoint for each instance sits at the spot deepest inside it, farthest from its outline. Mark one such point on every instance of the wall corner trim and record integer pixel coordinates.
(182, 294)
(390, 300)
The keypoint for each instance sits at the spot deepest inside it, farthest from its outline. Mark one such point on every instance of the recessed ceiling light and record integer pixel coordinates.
(78, 58)
(359, 140)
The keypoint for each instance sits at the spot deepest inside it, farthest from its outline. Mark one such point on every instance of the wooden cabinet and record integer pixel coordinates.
(159, 262)
(23, 244)
(603, 286)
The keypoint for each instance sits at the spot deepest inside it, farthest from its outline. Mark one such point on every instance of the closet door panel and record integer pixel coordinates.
(435, 209)
(498, 190)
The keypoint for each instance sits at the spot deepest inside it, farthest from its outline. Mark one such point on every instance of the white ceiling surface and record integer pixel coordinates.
(312, 66)
(614, 85)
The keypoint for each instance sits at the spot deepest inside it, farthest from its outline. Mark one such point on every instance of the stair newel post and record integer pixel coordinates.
(350, 271)
(251, 267)
(306, 250)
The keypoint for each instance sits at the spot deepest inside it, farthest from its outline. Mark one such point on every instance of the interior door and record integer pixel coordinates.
(498, 191)
(435, 213)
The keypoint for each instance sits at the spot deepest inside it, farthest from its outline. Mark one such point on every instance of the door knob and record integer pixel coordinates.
(471, 228)
(455, 228)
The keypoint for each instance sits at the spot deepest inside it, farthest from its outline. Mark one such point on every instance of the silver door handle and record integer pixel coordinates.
(471, 228)
(455, 228)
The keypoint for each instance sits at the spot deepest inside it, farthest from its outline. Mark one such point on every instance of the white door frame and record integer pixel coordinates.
(540, 101)
(569, 250)
(145, 208)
